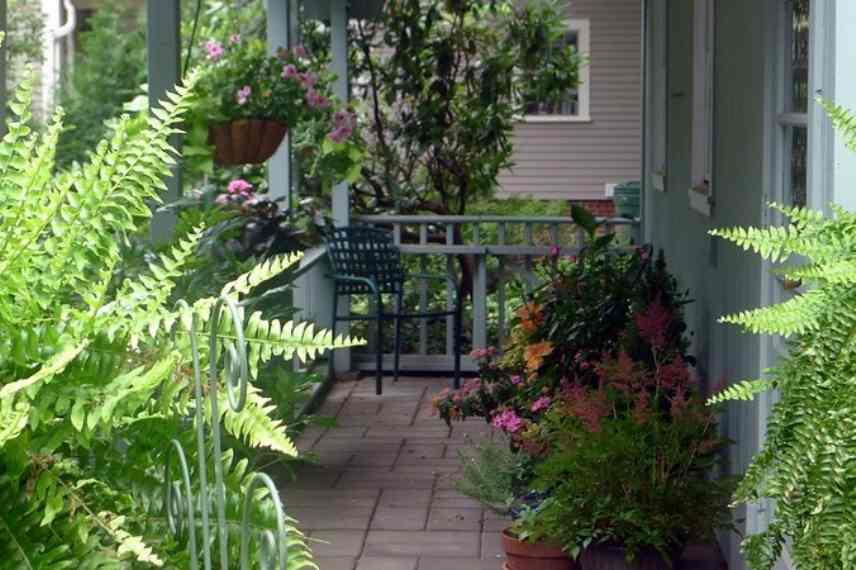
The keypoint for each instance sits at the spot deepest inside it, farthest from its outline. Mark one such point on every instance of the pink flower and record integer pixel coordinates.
(340, 134)
(316, 100)
(517, 379)
(243, 94)
(289, 71)
(214, 50)
(239, 186)
(235, 38)
(222, 199)
(555, 251)
(299, 51)
(308, 79)
(507, 421)
(653, 324)
(541, 403)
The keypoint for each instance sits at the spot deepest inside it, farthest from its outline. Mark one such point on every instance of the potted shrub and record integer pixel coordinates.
(497, 476)
(629, 457)
(250, 99)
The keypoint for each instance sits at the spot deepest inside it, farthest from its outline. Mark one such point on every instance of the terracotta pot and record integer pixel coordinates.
(524, 556)
(614, 557)
(245, 141)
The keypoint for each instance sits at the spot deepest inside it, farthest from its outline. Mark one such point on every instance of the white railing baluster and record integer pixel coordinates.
(423, 291)
(530, 240)
(450, 298)
(500, 289)
(479, 295)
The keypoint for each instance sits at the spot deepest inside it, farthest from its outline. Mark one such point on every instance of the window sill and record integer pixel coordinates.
(700, 200)
(538, 119)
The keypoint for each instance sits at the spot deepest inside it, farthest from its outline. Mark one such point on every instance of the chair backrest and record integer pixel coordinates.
(364, 251)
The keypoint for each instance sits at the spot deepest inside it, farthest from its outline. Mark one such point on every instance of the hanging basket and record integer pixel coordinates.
(245, 141)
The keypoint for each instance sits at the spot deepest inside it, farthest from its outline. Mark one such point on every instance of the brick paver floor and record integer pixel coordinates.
(381, 495)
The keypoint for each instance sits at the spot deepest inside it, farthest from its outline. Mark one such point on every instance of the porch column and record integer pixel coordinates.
(282, 32)
(339, 52)
(341, 203)
(163, 36)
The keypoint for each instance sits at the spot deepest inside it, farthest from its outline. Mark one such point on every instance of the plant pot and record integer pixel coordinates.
(614, 557)
(245, 141)
(525, 556)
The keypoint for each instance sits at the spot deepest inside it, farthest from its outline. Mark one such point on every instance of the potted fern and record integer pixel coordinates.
(250, 99)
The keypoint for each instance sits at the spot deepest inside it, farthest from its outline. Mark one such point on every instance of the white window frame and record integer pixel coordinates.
(583, 29)
(703, 108)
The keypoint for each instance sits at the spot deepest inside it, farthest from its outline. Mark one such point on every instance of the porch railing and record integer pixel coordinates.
(497, 251)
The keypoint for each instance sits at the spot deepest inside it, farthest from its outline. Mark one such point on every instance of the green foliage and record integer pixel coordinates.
(109, 69)
(96, 371)
(489, 474)
(806, 467)
(444, 82)
(844, 121)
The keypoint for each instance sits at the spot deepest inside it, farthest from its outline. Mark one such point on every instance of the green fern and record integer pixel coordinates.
(807, 466)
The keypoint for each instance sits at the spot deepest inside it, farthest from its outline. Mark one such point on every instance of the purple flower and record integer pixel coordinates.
(340, 134)
(243, 94)
(555, 251)
(235, 38)
(541, 403)
(239, 186)
(308, 79)
(507, 421)
(214, 49)
(289, 71)
(517, 379)
(316, 100)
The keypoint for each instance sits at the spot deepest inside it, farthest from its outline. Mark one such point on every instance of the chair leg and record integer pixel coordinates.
(379, 369)
(457, 347)
(397, 348)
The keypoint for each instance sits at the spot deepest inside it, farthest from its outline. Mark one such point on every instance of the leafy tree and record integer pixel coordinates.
(807, 466)
(96, 368)
(443, 83)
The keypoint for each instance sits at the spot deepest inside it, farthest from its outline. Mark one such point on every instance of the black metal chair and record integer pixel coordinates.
(366, 262)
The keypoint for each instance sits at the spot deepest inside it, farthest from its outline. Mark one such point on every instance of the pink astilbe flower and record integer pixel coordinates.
(541, 403)
(239, 186)
(674, 375)
(235, 38)
(214, 50)
(653, 324)
(680, 402)
(642, 411)
(315, 99)
(622, 374)
(508, 421)
(289, 71)
(243, 94)
(589, 406)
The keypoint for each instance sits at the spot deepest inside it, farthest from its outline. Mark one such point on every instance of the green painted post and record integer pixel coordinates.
(163, 26)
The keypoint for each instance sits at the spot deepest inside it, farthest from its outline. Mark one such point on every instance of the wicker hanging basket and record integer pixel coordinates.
(245, 141)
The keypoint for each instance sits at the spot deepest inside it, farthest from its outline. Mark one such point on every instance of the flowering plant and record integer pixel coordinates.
(241, 81)
(626, 459)
(584, 314)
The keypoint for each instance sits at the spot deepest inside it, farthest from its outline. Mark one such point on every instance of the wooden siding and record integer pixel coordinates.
(575, 161)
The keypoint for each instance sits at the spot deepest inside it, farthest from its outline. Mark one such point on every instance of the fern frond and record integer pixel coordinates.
(254, 424)
(741, 391)
(260, 273)
(797, 315)
(844, 121)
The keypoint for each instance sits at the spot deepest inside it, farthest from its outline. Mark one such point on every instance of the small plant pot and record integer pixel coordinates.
(245, 141)
(525, 556)
(614, 557)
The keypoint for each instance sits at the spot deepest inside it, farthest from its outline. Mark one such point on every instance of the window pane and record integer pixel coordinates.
(569, 105)
(797, 173)
(799, 56)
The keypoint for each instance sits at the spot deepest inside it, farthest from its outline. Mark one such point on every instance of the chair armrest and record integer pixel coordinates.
(351, 279)
(440, 277)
